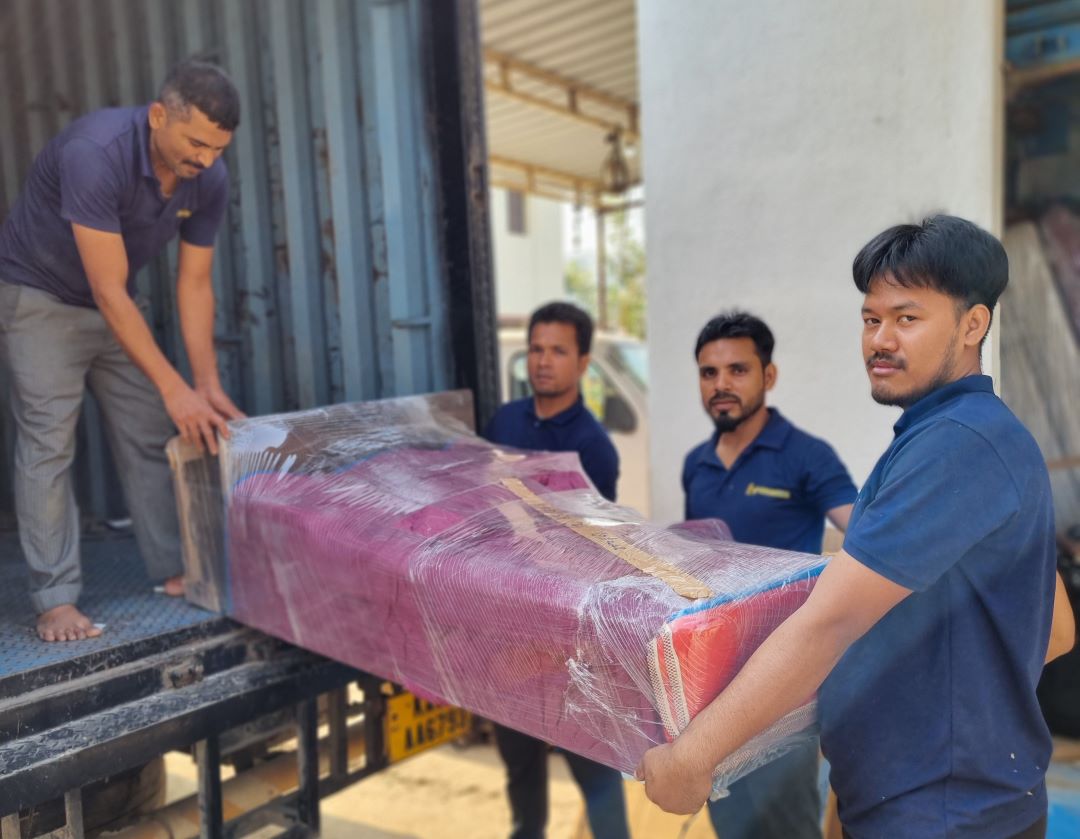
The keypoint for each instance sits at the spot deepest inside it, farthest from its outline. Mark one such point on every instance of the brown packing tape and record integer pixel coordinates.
(680, 582)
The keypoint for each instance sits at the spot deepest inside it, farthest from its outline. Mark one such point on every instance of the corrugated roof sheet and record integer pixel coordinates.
(536, 51)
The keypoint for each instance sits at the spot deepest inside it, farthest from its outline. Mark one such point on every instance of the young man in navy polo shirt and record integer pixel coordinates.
(773, 485)
(555, 419)
(102, 199)
(927, 633)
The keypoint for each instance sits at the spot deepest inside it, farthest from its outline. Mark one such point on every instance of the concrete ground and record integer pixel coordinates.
(456, 792)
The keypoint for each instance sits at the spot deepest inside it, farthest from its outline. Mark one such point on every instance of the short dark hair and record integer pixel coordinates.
(200, 84)
(736, 324)
(559, 312)
(945, 253)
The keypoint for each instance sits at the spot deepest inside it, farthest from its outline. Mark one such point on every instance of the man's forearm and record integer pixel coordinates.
(131, 331)
(195, 300)
(847, 600)
(1063, 624)
(840, 516)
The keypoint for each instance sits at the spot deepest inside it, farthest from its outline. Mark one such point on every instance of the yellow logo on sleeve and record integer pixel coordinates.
(769, 492)
(183, 213)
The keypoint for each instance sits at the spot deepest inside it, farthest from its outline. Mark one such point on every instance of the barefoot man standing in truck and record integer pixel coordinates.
(102, 199)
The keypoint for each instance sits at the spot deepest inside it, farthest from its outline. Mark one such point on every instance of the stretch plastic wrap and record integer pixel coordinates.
(388, 536)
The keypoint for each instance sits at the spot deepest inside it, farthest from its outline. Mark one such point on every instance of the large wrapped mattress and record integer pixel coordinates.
(388, 536)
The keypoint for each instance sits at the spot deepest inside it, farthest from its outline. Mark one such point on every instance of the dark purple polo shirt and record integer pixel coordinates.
(574, 430)
(930, 720)
(97, 173)
(776, 493)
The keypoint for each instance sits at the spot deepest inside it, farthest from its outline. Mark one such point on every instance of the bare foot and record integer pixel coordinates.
(65, 623)
(174, 586)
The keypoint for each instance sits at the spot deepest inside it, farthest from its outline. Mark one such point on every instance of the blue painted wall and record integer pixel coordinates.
(1042, 32)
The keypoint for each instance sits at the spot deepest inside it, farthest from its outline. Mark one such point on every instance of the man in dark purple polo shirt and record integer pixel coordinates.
(102, 199)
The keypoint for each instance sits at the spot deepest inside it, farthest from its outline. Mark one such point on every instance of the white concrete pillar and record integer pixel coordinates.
(779, 136)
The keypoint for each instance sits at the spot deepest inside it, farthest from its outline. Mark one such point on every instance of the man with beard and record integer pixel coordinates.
(555, 419)
(773, 485)
(926, 635)
(102, 199)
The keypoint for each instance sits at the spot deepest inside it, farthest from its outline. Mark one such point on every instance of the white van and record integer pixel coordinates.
(614, 388)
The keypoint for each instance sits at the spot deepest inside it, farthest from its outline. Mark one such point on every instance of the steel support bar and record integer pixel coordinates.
(511, 63)
(211, 817)
(555, 108)
(534, 171)
(601, 273)
(570, 91)
(307, 760)
(374, 717)
(73, 812)
(337, 717)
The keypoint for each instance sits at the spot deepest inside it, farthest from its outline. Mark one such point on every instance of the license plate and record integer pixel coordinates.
(413, 725)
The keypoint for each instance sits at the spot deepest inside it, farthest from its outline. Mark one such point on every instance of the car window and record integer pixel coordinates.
(631, 358)
(596, 387)
(519, 375)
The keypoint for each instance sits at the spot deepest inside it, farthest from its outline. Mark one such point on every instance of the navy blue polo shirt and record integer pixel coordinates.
(930, 720)
(574, 430)
(97, 173)
(777, 491)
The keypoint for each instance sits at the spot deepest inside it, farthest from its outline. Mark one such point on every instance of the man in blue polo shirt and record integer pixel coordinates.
(102, 199)
(555, 419)
(773, 485)
(927, 633)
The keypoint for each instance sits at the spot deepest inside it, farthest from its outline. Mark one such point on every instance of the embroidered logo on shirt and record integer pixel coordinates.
(183, 213)
(770, 492)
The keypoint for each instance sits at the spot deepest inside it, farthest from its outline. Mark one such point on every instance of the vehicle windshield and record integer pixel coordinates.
(632, 358)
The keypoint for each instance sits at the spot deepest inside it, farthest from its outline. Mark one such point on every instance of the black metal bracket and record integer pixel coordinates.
(63, 733)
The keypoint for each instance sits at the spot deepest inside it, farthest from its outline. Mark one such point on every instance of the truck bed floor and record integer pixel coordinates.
(116, 592)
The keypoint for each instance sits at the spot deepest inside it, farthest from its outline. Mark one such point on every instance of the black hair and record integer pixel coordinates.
(945, 253)
(560, 312)
(736, 324)
(202, 85)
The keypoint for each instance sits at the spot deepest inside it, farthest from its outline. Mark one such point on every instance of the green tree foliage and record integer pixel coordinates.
(625, 276)
(581, 285)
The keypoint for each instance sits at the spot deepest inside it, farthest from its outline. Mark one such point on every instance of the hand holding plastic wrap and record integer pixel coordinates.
(388, 536)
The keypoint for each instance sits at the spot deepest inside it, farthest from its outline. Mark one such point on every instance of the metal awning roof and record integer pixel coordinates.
(560, 76)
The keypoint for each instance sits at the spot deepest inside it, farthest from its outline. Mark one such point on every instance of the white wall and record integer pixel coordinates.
(528, 268)
(779, 137)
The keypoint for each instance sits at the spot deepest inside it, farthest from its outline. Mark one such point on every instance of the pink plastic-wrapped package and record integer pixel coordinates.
(388, 536)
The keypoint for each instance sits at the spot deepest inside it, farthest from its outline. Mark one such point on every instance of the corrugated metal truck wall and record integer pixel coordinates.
(327, 269)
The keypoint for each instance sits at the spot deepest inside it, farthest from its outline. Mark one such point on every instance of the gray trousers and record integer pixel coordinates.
(53, 351)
